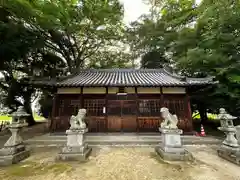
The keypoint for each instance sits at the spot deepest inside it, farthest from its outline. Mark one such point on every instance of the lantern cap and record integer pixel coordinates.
(224, 115)
(20, 112)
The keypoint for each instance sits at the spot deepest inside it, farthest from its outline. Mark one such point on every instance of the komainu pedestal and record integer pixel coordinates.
(76, 148)
(229, 149)
(171, 148)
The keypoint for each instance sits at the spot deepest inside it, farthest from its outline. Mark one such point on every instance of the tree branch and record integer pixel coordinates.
(3, 87)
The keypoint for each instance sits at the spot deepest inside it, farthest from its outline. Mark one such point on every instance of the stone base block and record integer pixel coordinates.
(11, 150)
(171, 150)
(74, 156)
(15, 158)
(231, 156)
(183, 156)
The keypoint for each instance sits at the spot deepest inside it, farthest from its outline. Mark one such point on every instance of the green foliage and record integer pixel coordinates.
(71, 30)
(153, 60)
(198, 40)
(111, 59)
(216, 51)
(47, 39)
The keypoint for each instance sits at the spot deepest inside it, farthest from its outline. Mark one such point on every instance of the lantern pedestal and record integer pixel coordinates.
(229, 154)
(14, 149)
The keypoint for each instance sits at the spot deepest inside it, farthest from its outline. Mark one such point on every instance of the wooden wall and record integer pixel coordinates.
(139, 111)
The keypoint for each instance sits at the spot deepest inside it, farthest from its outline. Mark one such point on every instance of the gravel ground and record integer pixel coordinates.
(119, 163)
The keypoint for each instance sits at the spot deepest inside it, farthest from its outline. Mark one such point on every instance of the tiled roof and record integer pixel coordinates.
(129, 77)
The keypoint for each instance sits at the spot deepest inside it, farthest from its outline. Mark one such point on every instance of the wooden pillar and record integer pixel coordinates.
(137, 106)
(189, 111)
(162, 104)
(54, 105)
(81, 98)
(106, 108)
(51, 125)
(161, 97)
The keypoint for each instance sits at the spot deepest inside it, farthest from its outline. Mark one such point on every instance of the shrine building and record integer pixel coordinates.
(124, 100)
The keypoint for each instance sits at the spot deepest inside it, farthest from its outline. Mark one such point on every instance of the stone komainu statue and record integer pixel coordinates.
(77, 122)
(169, 121)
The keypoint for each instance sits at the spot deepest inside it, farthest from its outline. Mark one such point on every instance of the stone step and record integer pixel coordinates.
(116, 137)
(119, 140)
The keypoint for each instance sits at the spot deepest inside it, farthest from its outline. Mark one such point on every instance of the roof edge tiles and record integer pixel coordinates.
(130, 77)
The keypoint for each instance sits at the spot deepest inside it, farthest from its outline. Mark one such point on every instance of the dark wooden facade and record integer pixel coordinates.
(147, 91)
(133, 112)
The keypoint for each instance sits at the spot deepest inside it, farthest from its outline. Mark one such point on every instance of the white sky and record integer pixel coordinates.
(133, 9)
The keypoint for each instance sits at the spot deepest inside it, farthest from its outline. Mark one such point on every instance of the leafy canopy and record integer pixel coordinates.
(197, 40)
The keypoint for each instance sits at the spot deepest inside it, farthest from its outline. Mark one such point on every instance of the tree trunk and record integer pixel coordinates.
(30, 119)
(27, 106)
(203, 113)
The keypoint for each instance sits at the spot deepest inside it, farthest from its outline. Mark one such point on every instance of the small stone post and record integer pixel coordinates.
(229, 148)
(14, 149)
(171, 148)
(76, 148)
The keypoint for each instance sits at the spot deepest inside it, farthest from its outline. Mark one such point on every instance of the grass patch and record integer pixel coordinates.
(38, 118)
(209, 115)
(60, 167)
(24, 169)
(5, 118)
(8, 118)
(29, 168)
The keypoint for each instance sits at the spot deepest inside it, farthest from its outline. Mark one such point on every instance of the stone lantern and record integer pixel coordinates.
(230, 148)
(19, 116)
(14, 149)
(226, 121)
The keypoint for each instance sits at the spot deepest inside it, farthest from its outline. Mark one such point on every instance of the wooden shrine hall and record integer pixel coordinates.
(124, 100)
